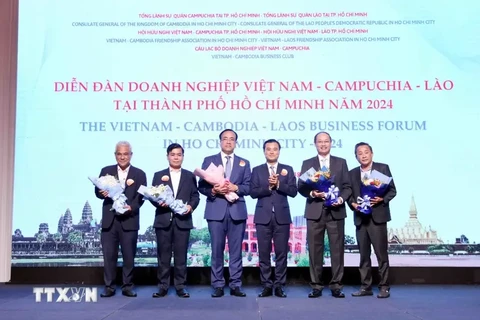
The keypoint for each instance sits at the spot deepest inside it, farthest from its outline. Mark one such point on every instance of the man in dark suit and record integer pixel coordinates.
(271, 184)
(321, 217)
(173, 230)
(121, 229)
(227, 219)
(371, 228)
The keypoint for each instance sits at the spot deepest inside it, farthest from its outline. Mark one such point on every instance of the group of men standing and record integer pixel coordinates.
(271, 184)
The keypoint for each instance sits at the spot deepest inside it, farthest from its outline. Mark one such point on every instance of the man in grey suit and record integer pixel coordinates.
(225, 218)
(371, 228)
(321, 217)
(272, 183)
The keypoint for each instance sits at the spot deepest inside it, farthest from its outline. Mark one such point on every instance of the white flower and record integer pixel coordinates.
(157, 191)
(108, 181)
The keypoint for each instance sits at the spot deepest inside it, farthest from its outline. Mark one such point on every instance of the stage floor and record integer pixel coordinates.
(412, 302)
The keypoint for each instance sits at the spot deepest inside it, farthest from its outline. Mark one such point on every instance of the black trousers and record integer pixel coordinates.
(111, 238)
(172, 240)
(279, 233)
(370, 233)
(316, 247)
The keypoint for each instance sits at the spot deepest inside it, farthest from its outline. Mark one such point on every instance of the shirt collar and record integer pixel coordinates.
(174, 170)
(369, 168)
(121, 170)
(327, 157)
(225, 155)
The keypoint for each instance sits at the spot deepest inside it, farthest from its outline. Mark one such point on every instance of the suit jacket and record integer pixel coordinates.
(341, 179)
(268, 199)
(187, 192)
(130, 220)
(217, 205)
(381, 211)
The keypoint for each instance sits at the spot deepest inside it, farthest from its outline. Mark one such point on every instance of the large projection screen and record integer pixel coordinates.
(400, 75)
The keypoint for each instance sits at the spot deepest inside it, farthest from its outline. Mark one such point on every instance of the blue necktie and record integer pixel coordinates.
(324, 165)
(228, 167)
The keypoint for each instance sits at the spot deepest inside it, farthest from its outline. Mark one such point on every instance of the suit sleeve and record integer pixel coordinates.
(346, 188)
(392, 191)
(352, 197)
(257, 188)
(137, 200)
(97, 191)
(244, 186)
(290, 188)
(204, 187)
(194, 196)
(303, 188)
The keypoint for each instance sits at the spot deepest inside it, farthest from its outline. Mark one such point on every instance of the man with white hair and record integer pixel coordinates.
(121, 229)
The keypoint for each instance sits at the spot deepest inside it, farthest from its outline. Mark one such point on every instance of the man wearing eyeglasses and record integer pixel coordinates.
(121, 229)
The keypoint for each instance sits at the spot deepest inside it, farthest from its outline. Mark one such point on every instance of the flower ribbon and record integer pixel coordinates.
(364, 204)
(119, 202)
(332, 193)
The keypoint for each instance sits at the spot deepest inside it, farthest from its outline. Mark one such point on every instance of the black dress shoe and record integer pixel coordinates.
(337, 293)
(266, 292)
(129, 293)
(237, 292)
(280, 293)
(108, 292)
(182, 293)
(383, 294)
(363, 293)
(315, 293)
(160, 294)
(217, 293)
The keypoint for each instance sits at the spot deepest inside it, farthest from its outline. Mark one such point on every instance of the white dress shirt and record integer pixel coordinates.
(175, 175)
(365, 173)
(324, 161)
(275, 166)
(122, 175)
(224, 160)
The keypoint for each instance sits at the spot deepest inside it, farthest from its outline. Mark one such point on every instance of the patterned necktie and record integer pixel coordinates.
(272, 172)
(228, 167)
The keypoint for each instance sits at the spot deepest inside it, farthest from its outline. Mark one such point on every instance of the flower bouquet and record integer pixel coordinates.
(114, 188)
(373, 186)
(215, 175)
(322, 181)
(163, 193)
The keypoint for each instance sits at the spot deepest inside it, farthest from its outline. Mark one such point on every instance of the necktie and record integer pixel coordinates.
(228, 167)
(272, 172)
(324, 165)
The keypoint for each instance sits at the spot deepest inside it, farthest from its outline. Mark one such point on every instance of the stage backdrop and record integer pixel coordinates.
(400, 75)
